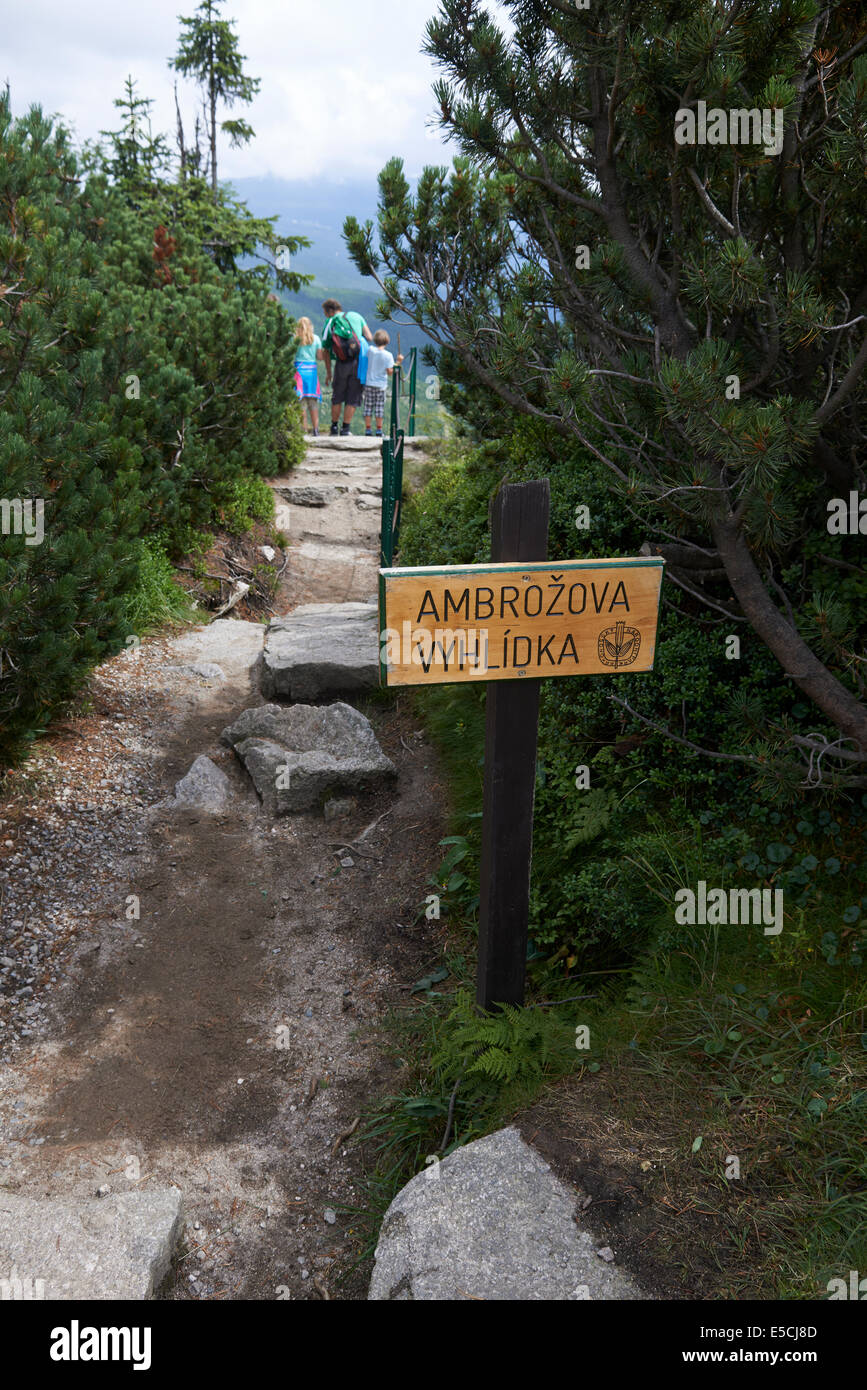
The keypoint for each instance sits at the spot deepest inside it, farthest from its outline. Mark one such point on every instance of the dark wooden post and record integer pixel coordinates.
(519, 531)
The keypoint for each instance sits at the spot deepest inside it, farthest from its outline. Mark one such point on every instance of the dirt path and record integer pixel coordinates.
(227, 1035)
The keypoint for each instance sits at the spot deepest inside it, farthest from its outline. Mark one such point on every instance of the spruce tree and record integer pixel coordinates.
(137, 155)
(208, 52)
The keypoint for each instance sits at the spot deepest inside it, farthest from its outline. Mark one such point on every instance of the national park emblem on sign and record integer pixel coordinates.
(619, 645)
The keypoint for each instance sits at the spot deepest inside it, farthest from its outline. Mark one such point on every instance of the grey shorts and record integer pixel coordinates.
(346, 389)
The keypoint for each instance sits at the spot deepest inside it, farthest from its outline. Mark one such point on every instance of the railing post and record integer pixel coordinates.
(395, 400)
(385, 545)
(397, 489)
(410, 424)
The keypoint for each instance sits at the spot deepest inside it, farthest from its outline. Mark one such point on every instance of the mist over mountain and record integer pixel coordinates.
(316, 209)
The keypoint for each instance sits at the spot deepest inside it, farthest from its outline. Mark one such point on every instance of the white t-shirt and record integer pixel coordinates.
(378, 362)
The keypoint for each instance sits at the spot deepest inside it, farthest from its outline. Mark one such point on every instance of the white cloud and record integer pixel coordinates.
(344, 85)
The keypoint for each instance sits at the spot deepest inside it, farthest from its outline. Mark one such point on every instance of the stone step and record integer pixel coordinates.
(117, 1246)
(300, 756)
(323, 495)
(322, 649)
(359, 442)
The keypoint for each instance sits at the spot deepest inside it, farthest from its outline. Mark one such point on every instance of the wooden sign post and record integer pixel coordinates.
(519, 531)
(510, 623)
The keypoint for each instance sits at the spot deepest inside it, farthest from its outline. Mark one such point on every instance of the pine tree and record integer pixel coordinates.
(61, 596)
(693, 314)
(144, 370)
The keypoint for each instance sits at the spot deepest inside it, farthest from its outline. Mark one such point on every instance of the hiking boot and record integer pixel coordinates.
(346, 430)
(368, 433)
(315, 433)
(379, 434)
(335, 429)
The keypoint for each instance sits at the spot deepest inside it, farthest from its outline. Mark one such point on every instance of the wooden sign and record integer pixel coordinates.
(511, 620)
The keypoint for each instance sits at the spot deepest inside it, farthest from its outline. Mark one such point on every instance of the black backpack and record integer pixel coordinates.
(343, 339)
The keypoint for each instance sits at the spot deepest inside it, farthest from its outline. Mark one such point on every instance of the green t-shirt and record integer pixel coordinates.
(357, 322)
(307, 352)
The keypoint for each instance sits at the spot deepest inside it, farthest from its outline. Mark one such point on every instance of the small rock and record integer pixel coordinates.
(205, 786)
(330, 1215)
(117, 1248)
(606, 1253)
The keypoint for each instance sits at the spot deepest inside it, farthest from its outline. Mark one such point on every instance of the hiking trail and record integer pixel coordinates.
(193, 998)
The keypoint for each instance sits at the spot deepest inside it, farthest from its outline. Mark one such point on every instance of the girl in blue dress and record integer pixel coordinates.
(308, 354)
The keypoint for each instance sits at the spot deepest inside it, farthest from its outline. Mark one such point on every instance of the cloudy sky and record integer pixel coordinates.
(315, 60)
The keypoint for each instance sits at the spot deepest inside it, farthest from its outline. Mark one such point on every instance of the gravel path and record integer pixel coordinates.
(197, 998)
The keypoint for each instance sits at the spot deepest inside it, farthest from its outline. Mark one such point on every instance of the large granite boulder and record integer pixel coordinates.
(491, 1221)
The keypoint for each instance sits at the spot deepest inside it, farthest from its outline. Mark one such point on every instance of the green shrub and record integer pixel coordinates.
(243, 502)
(649, 798)
(289, 445)
(140, 394)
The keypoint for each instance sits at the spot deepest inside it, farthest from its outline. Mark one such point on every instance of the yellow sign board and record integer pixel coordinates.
(504, 621)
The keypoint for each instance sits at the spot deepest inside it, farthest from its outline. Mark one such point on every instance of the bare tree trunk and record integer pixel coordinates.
(842, 708)
(181, 146)
(212, 93)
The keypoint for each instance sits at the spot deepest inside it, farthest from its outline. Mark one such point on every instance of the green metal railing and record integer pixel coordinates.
(392, 460)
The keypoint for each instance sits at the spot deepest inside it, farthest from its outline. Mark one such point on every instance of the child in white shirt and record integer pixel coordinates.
(380, 366)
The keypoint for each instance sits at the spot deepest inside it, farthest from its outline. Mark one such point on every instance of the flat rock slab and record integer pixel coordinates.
(300, 756)
(491, 1221)
(230, 643)
(309, 496)
(205, 787)
(205, 670)
(322, 649)
(118, 1246)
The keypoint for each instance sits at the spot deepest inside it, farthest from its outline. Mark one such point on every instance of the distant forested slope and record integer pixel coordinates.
(316, 209)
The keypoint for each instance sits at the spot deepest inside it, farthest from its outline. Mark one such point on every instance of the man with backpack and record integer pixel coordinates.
(342, 339)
